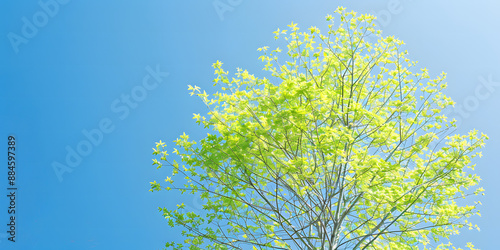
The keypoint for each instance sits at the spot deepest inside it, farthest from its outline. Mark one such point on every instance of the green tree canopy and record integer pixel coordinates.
(343, 148)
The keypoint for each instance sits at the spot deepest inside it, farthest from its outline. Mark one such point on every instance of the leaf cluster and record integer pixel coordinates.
(344, 148)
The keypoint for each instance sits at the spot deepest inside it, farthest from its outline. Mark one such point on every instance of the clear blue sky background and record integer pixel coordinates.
(66, 77)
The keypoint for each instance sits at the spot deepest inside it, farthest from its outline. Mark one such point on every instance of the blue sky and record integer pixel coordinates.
(75, 68)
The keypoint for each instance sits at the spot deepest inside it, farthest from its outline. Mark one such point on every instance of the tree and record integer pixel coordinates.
(345, 148)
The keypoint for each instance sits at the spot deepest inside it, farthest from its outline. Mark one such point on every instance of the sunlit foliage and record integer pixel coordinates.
(345, 147)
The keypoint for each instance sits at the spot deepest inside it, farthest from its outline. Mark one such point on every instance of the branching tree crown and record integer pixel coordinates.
(344, 148)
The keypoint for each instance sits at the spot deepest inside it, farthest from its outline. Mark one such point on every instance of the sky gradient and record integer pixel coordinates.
(107, 79)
